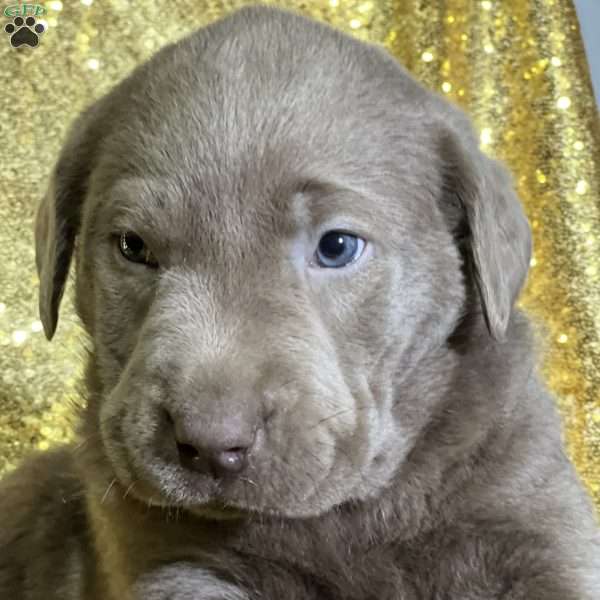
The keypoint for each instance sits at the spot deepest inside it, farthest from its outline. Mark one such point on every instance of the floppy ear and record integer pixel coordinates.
(58, 217)
(499, 242)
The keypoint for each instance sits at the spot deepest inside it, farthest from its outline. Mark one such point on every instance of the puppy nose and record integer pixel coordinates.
(219, 450)
(218, 462)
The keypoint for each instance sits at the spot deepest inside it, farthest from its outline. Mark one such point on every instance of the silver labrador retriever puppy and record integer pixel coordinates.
(308, 380)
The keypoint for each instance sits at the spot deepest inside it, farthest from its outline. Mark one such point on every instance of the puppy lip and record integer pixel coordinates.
(218, 511)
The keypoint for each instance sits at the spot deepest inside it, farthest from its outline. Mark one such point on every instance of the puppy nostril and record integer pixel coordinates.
(216, 462)
(195, 459)
(188, 452)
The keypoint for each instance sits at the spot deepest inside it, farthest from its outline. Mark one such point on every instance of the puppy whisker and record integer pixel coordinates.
(107, 492)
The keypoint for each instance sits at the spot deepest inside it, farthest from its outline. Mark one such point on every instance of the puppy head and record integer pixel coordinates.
(266, 220)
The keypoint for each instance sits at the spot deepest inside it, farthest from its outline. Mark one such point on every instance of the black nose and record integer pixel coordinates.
(219, 449)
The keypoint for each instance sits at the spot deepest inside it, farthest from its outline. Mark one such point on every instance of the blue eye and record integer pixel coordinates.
(337, 249)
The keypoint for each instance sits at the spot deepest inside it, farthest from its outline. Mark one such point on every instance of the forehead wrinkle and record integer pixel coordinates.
(324, 203)
(154, 209)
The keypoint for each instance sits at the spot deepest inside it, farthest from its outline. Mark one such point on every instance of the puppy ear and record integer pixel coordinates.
(499, 243)
(58, 218)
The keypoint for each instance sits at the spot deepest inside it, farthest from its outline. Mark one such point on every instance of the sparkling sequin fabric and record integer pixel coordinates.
(516, 66)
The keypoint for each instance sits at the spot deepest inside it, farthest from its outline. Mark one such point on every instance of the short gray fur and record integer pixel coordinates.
(404, 447)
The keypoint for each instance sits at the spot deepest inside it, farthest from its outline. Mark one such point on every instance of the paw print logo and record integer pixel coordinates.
(24, 31)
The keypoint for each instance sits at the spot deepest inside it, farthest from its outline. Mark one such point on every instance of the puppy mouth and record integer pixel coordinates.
(213, 500)
(160, 483)
(215, 510)
(209, 507)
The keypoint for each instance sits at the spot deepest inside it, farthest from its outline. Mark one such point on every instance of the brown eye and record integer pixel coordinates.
(134, 249)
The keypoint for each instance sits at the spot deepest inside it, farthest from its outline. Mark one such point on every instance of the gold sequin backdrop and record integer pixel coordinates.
(517, 66)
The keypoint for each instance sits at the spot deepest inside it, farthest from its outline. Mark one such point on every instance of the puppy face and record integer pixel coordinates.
(267, 264)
